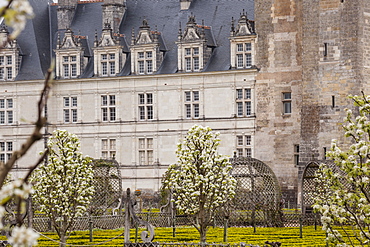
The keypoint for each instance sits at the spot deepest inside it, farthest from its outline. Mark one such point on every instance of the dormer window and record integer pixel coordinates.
(108, 53)
(194, 49)
(71, 55)
(242, 42)
(147, 51)
(9, 57)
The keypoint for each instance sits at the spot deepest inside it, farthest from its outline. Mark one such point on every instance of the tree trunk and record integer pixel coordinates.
(62, 240)
(203, 233)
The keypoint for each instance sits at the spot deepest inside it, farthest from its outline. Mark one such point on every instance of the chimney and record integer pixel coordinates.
(185, 4)
(65, 13)
(113, 12)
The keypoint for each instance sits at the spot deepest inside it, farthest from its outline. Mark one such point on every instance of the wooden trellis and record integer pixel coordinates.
(107, 183)
(309, 185)
(258, 194)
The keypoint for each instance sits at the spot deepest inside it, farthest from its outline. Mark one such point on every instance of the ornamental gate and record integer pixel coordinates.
(258, 196)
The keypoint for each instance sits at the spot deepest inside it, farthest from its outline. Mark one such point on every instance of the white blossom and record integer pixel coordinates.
(23, 237)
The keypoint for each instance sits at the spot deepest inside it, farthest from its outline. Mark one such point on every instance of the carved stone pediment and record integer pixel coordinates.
(69, 40)
(244, 26)
(107, 38)
(144, 36)
(191, 32)
(4, 41)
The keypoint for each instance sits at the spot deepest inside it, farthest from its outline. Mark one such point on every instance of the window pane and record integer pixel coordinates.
(141, 99)
(104, 144)
(141, 143)
(287, 95)
(73, 58)
(1, 73)
(1, 60)
(66, 70)
(112, 144)
(187, 96)
(239, 140)
(65, 59)
(149, 143)
(188, 111)
(188, 64)
(141, 55)
(9, 103)
(112, 66)
(248, 46)
(149, 66)
(187, 52)
(149, 98)
(240, 152)
(112, 111)
(142, 157)
(141, 112)
(239, 47)
(103, 56)
(239, 108)
(66, 116)
(74, 115)
(239, 61)
(10, 117)
(2, 117)
(248, 60)
(2, 103)
(104, 100)
(248, 93)
(10, 73)
(73, 70)
(149, 54)
(9, 146)
(195, 95)
(196, 51)
(112, 56)
(104, 68)
(287, 107)
(196, 110)
(150, 112)
(196, 63)
(141, 67)
(2, 146)
(248, 152)
(66, 101)
(150, 157)
(248, 108)
(74, 101)
(104, 114)
(248, 140)
(112, 99)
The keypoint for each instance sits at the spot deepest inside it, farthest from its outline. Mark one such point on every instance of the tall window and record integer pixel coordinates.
(108, 64)
(243, 102)
(108, 108)
(6, 111)
(145, 106)
(6, 67)
(108, 148)
(69, 66)
(191, 104)
(244, 145)
(70, 109)
(296, 154)
(287, 103)
(6, 150)
(244, 55)
(145, 62)
(192, 59)
(145, 151)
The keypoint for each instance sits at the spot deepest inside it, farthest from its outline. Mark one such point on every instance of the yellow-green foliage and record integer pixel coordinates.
(288, 236)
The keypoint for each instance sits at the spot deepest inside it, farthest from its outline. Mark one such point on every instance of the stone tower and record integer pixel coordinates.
(279, 89)
(318, 50)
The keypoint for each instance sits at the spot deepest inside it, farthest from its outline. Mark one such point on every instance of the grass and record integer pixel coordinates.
(288, 236)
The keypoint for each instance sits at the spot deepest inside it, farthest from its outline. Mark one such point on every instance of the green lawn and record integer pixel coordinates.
(288, 236)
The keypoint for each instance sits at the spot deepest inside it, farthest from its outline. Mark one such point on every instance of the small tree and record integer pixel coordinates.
(200, 180)
(63, 185)
(343, 194)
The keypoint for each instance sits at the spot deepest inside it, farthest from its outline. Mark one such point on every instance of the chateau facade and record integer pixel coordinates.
(132, 76)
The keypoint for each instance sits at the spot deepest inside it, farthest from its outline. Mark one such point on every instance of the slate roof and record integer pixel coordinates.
(39, 38)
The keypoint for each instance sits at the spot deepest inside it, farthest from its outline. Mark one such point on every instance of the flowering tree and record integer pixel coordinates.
(63, 185)
(200, 180)
(345, 200)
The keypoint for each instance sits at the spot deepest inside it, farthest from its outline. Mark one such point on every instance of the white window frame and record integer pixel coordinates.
(244, 105)
(108, 108)
(145, 106)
